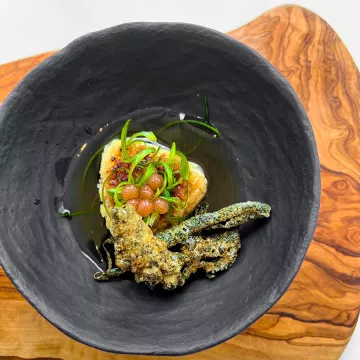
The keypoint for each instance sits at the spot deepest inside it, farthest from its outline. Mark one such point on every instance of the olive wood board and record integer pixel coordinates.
(317, 315)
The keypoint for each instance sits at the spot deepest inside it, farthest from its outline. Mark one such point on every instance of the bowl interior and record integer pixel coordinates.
(101, 77)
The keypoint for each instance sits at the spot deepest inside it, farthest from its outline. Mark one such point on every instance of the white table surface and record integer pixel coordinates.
(29, 27)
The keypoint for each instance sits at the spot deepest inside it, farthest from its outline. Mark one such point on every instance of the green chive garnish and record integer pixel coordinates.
(172, 154)
(184, 166)
(173, 200)
(89, 164)
(103, 192)
(137, 159)
(124, 154)
(146, 134)
(194, 122)
(148, 172)
(169, 174)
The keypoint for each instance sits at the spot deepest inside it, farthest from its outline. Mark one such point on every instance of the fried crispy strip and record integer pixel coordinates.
(139, 251)
(227, 217)
(212, 253)
(147, 256)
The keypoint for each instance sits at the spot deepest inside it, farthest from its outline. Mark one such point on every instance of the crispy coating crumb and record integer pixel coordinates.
(228, 217)
(148, 256)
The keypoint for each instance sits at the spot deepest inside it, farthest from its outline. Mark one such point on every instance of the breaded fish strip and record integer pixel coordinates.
(147, 256)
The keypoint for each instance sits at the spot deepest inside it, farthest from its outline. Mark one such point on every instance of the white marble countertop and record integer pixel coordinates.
(29, 27)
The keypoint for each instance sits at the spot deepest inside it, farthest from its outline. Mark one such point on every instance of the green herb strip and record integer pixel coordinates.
(173, 200)
(160, 190)
(172, 154)
(89, 164)
(169, 174)
(184, 166)
(124, 154)
(137, 159)
(103, 192)
(85, 212)
(117, 191)
(145, 134)
(194, 122)
(148, 173)
(150, 219)
(206, 117)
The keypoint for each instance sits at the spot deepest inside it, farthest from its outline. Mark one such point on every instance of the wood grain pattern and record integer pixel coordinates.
(318, 313)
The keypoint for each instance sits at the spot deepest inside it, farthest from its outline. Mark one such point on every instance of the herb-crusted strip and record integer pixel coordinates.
(227, 217)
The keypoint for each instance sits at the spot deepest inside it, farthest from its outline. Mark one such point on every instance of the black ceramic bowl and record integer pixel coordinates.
(99, 79)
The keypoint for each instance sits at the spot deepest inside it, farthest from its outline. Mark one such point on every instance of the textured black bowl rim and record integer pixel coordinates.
(52, 318)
